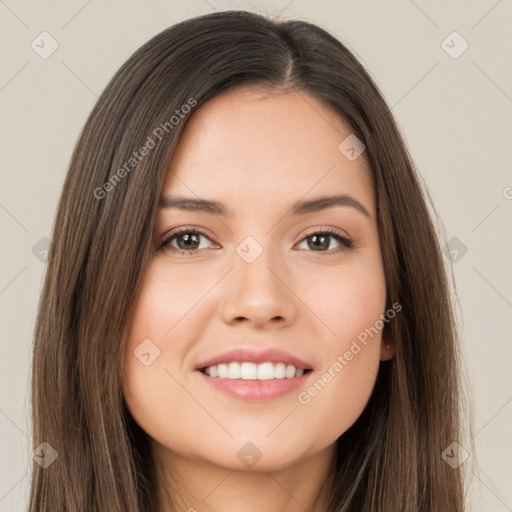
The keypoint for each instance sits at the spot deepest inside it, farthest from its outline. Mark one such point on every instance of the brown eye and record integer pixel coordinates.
(321, 241)
(186, 240)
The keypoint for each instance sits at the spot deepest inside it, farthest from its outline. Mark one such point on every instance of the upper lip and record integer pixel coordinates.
(252, 355)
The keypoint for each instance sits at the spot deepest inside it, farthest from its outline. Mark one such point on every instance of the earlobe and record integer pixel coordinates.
(387, 351)
(387, 347)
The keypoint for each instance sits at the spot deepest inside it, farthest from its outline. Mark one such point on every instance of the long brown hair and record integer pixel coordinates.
(391, 458)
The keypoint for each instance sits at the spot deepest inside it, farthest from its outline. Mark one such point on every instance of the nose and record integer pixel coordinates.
(259, 294)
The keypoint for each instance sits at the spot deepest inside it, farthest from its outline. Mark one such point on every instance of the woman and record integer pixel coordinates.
(245, 304)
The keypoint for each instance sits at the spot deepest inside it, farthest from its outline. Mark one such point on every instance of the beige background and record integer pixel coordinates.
(455, 114)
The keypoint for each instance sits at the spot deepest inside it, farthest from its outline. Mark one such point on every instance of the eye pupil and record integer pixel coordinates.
(322, 245)
(190, 240)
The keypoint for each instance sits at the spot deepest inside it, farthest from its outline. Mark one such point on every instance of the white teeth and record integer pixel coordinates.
(290, 371)
(223, 370)
(233, 371)
(265, 371)
(248, 371)
(280, 371)
(253, 371)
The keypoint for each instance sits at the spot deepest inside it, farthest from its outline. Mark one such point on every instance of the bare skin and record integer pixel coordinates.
(257, 153)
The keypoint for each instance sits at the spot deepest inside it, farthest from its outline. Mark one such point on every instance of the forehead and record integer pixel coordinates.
(250, 146)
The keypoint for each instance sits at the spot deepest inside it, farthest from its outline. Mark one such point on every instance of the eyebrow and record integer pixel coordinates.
(300, 207)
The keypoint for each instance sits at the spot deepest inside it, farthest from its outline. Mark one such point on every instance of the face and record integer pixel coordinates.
(282, 285)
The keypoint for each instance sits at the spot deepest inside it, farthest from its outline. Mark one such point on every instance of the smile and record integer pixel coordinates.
(253, 371)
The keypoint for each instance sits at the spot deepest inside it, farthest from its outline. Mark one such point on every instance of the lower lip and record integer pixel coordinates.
(256, 390)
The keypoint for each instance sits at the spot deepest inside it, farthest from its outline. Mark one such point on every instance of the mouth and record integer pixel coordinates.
(255, 375)
(246, 370)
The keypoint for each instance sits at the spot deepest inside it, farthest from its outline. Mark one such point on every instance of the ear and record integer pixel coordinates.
(387, 347)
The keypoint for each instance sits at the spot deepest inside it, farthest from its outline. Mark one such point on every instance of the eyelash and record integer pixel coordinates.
(346, 243)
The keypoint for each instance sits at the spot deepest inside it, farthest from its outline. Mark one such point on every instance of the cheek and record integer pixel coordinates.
(351, 346)
(349, 300)
(170, 307)
(170, 313)
(148, 356)
(165, 299)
